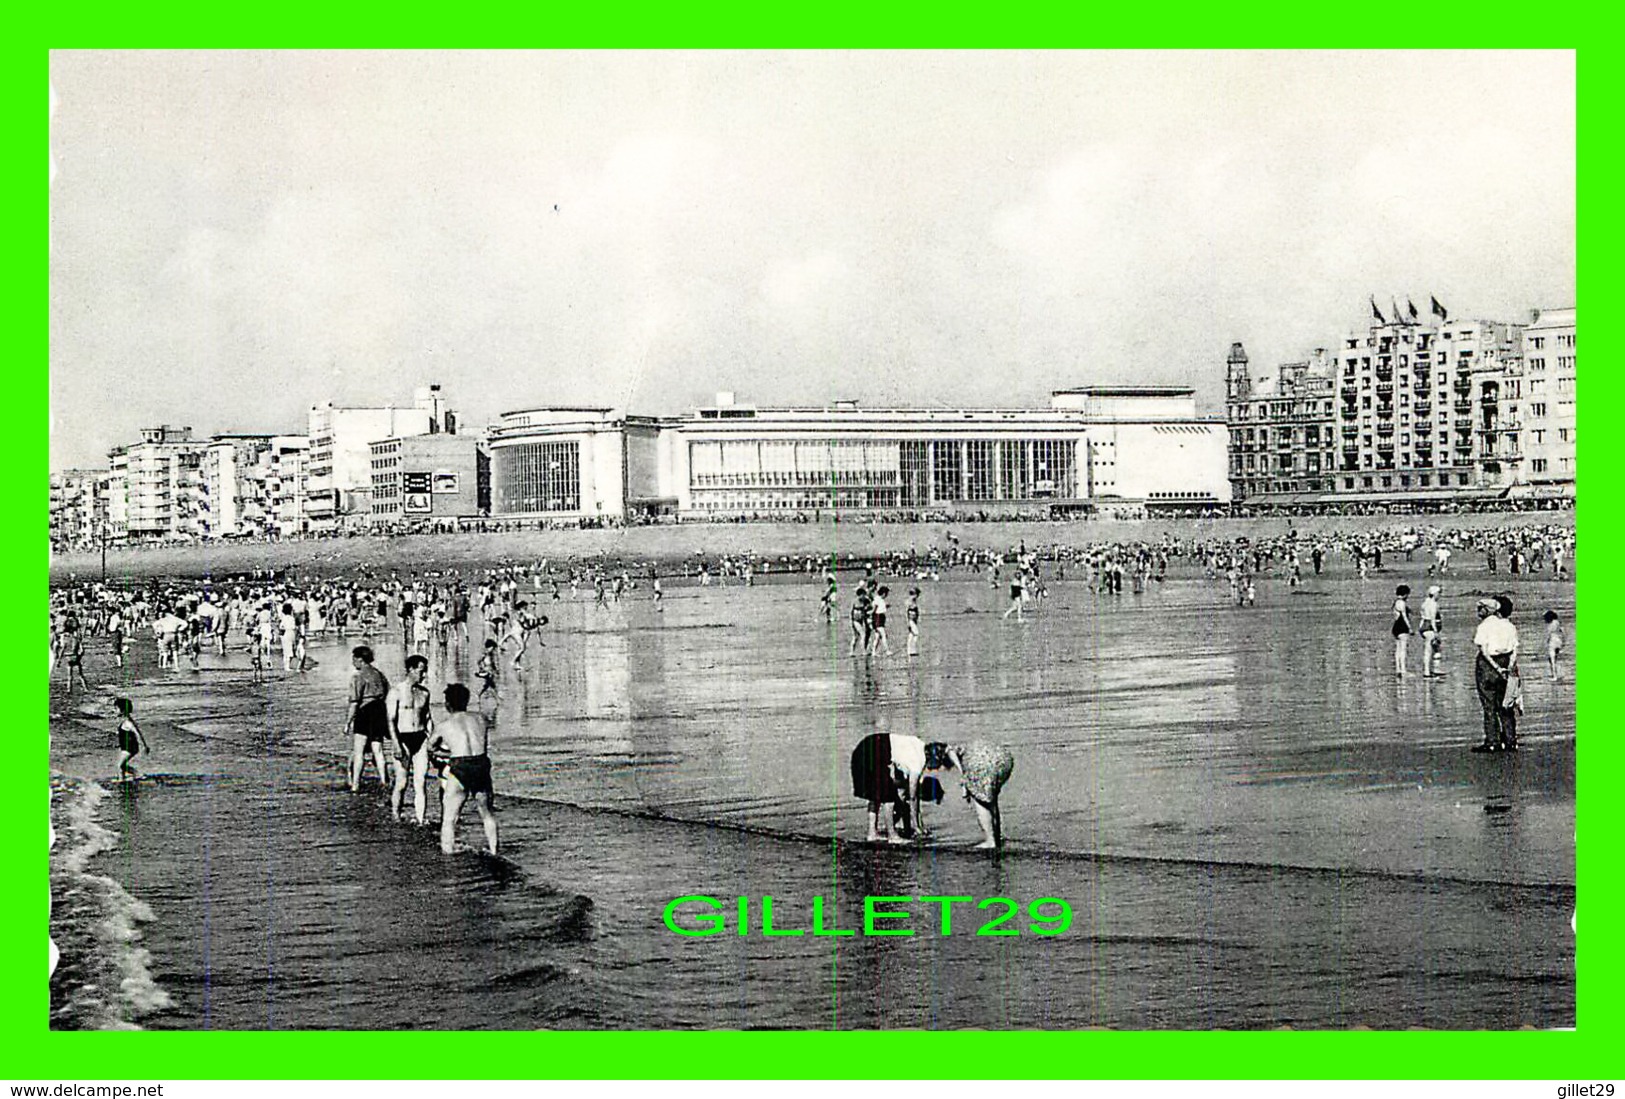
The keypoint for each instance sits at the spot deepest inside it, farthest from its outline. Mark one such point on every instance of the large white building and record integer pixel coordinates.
(1102, 448)
(338, 473)
(155, 487)
(253, 486)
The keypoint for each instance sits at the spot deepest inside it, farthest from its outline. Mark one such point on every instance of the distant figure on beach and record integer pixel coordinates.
(877, 615)
(368, 725)
(1401, 628)
(1432, 646)
(1018, 592)
(168, 632)
(486, 670)
(131, 740)
(410, 724)
(525, 626)
(115, 630)
(984, 769)
(467, 773)
(73, 651)
(290, 636)
(914, 621)
(1554, 641)
(1497, 641)
(860, 620)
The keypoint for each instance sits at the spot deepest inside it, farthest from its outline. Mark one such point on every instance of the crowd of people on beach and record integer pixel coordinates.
(272, 616)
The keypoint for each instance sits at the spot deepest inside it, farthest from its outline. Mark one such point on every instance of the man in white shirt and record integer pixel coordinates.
(1497, 641)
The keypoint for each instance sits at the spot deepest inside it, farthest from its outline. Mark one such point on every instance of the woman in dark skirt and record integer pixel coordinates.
(886, 769)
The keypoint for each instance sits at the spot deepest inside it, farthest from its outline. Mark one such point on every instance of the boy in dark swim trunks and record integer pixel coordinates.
(410, 724)
(468, 770)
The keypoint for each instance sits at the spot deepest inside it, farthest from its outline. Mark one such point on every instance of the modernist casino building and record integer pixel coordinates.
(1124, 449)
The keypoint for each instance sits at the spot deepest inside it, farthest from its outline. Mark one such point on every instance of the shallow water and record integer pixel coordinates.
(1254, 823)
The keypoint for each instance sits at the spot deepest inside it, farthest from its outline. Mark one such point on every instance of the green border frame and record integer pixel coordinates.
(32, 1052)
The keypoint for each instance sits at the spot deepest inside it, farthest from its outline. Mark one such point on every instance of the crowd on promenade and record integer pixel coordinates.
(889, 517)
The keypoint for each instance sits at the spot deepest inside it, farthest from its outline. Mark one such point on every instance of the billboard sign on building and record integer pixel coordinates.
(414, 483)
(445, 480)
(417, 503)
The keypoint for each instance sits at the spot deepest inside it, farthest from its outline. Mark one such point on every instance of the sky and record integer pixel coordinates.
(235, 237)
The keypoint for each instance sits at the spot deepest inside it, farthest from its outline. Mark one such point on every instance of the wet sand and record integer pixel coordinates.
(1255, 823)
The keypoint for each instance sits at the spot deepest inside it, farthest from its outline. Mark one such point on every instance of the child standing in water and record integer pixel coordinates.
(486, 670)
(877, 613)
(130, 738)
(1554, 641)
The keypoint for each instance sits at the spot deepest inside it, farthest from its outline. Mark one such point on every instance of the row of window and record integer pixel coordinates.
(537, 477)
(1281, 411)
(926, 471)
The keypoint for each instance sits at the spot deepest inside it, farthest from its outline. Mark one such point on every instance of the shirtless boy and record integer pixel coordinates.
(468, 771)
(409, 726)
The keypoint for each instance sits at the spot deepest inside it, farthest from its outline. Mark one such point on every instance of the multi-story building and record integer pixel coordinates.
(1115, 448)
(575, 462)
(339, 466)
(78, 507)
(429, 478)
(285, 484)
(1282, 430)
(1548, 402)
(235, 498)
(1424, 413)
(155, 486)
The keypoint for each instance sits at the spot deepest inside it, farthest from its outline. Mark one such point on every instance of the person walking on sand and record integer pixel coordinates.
(1018, 593)
(410, 724)
(73, 651)
(131, 740)
(368, 724)
(1554, 641)
(914, 622)
(467, 774)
